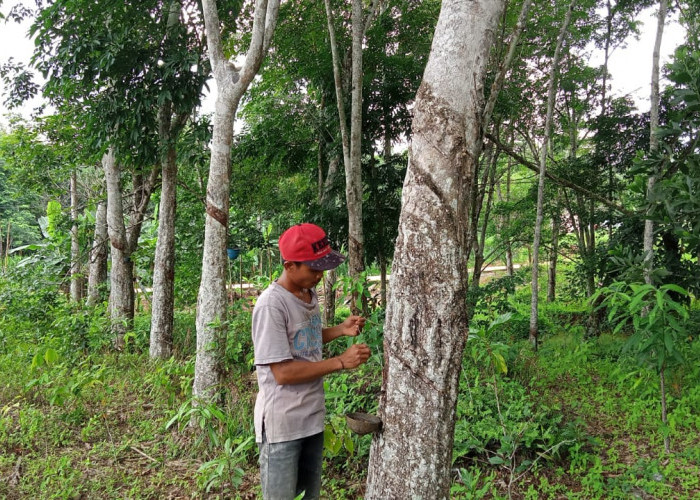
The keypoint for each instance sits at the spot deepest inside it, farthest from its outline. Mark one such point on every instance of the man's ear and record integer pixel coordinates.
(288, 264)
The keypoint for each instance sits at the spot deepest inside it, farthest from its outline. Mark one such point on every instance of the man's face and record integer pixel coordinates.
(303, 276)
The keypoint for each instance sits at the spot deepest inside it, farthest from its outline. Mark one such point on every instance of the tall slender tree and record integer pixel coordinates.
(551, 97)
(231, 83)
(653, 137)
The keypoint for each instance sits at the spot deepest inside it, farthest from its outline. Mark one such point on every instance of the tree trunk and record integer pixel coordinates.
(510, 268)
(480, 236)
(553, 257)
(329, 280)
(76, 276)
(121, 290)
(353, 174)
(426, 314)
(231, 85)
(664, 412)
(653, 138)
(352, 139)
(98, 256)
(552, 93)
(163, 302)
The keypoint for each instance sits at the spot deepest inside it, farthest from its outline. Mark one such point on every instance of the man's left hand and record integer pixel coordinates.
(353, 325)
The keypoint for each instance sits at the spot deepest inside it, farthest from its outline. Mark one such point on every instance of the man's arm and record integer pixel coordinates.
(298, 372)
(351, 327)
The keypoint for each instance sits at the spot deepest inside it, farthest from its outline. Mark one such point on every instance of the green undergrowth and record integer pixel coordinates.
(576, 419)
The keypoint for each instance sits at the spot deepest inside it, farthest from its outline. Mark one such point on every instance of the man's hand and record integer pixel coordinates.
(354, 356)
(352, 326)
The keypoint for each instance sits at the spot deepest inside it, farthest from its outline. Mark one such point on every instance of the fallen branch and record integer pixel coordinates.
(143, 454)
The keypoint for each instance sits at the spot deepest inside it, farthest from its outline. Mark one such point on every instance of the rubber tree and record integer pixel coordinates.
(180, 49)
(231, 83)
(352, 135)
(653, 138)
(110, 61)
(551, 98)
(426, 321)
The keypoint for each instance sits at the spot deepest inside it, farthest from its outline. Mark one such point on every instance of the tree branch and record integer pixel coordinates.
(562, 182)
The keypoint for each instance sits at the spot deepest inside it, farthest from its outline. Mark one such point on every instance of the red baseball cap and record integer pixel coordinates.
(309, 244)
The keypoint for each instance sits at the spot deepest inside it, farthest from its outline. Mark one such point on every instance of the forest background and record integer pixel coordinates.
(136, 231)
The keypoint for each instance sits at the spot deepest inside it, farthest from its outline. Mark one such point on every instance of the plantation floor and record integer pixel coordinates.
(98, 430)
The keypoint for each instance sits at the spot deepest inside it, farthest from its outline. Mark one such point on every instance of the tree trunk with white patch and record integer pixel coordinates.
(426, 325)
(231, 83)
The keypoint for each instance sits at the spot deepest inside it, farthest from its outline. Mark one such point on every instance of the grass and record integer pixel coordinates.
(585, 423)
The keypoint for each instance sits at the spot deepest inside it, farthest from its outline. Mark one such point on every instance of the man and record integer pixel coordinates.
(288, 338)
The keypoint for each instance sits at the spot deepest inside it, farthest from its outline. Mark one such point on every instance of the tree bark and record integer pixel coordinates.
(98, 255)
(653, 138)
(163, 301)
(553, 258)
(76, 276)
(329, 279)
(231, 85)
(552, 93)
(353, 174)
(352, 139)
(121, 289)
(426, 314)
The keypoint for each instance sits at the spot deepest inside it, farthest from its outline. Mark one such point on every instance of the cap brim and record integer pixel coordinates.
(326, 263)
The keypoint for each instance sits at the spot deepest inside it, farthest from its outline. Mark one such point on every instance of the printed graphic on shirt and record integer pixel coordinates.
(308, 340)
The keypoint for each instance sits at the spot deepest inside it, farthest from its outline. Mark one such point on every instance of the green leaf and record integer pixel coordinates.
(500, 362)
(349, 444)
(496, 460)
(50, 356)
(675, 288)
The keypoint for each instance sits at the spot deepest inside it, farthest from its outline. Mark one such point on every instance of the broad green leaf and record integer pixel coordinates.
(500, 362)
(496, 460)
(50, 356)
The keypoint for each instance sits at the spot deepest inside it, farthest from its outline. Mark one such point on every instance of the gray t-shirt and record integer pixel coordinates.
(285, 328)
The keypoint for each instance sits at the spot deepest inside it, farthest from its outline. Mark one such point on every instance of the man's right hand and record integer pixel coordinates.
(356, 355)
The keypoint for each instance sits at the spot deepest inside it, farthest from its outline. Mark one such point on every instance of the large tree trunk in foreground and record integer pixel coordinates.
(231, 85)
(426, 321)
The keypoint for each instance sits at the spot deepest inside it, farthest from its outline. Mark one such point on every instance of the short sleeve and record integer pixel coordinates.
(270, 338)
